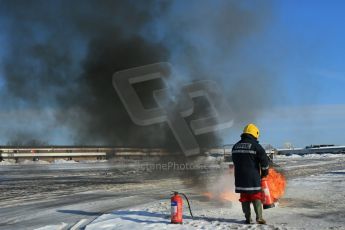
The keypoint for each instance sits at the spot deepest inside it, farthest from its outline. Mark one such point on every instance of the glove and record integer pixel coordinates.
(264, 173)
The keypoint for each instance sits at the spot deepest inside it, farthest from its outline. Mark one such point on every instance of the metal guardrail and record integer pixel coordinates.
(70, 152)
(49, 154)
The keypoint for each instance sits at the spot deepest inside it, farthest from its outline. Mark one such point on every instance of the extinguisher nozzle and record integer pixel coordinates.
(267, 206)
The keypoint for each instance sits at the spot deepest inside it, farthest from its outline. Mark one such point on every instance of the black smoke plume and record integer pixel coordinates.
(60, 57)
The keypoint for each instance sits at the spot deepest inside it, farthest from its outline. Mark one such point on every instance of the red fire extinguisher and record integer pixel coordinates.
(266, 195)
(177, 208)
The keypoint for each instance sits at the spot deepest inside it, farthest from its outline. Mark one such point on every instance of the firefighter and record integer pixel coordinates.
(251, 164)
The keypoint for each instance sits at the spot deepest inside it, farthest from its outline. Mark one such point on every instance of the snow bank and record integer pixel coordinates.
(6, 162)
(307, 205)
(156, 216)
(310, 156)
(287, 157)
(93, 161)
(42, 162)
(30, 162)
(62, 161)
(208, 215)
(326, 155)
(23, 162)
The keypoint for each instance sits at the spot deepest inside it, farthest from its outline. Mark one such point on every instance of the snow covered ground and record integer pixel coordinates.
(313, 202)
(63, 195)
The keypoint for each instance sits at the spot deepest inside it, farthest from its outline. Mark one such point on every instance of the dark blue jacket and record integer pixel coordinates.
(249, 159)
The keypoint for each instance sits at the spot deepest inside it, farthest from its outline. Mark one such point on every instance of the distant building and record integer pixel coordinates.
(314, 149)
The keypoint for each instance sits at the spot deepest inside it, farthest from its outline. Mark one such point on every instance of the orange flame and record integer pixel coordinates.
(223, 196)
(228, 196)
(276, 183)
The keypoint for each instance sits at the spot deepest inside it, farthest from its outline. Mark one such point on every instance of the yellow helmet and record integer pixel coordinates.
(252, 129)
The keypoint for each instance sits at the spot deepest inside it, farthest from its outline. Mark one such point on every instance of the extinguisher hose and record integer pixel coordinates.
(190, 210)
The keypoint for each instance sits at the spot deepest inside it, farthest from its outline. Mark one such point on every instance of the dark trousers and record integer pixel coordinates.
(257, 208)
